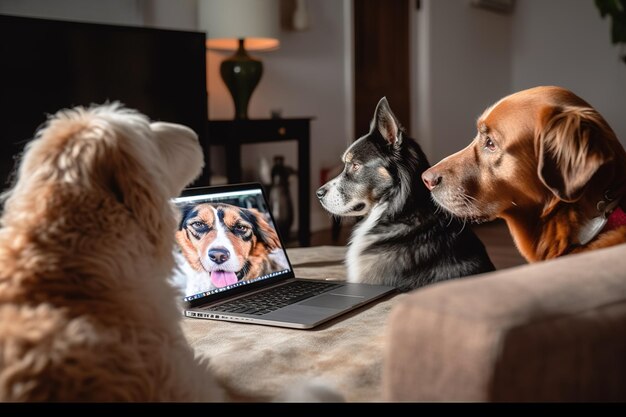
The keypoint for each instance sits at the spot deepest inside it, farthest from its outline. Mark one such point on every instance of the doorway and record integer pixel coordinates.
(381, 60)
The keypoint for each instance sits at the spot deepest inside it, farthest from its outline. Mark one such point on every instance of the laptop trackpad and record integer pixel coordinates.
(332, 301)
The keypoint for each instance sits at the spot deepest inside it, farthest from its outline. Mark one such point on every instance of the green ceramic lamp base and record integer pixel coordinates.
(241, 74)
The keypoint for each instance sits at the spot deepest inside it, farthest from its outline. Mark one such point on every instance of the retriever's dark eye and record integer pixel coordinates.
(355, 167)
(489, 145)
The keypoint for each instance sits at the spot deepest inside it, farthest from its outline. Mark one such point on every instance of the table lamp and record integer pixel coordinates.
(240, 26)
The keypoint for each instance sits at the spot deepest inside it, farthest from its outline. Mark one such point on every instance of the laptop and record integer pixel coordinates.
(232, 264)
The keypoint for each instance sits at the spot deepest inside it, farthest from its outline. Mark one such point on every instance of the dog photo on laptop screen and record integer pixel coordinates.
(224, 241)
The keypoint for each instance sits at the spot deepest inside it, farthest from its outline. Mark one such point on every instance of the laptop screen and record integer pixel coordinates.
(226, 238)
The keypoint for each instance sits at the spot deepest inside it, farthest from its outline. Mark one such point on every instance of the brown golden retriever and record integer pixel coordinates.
(548, 164)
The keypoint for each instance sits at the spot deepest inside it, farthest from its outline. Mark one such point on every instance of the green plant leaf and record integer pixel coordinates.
(616, 10)
(603, 6)
(618, 29)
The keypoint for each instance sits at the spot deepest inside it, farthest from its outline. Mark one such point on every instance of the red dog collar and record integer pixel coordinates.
(616, 219)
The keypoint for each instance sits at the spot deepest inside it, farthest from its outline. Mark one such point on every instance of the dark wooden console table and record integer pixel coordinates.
(234, 133)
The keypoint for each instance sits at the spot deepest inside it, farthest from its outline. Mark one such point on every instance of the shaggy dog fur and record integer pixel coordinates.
(85, 251)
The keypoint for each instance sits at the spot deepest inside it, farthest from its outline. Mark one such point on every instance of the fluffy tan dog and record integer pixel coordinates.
(85, 251)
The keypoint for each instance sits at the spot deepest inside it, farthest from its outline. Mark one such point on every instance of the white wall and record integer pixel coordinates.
(113, 12)
(167, 14)
(306, 77)
(468, 58)
(309, 76)
(464, 60)
(566, 43)
(463, 65)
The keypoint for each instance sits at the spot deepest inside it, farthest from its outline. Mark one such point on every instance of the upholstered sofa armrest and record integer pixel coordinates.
(550, 331)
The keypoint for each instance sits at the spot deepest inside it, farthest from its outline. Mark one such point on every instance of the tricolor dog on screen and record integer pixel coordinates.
(223, 244)
(401, 241)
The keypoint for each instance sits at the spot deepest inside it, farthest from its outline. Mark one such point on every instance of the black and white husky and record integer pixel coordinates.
(402, 240)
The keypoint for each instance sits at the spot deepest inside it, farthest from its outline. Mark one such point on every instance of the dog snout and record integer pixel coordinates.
(321, 192)
(431, 178)
(219, 255)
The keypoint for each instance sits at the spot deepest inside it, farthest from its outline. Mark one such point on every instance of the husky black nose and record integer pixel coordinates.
(321, 192)
(219, 255)
(431, 179)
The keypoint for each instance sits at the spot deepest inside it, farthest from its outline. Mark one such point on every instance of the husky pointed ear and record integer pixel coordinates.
(385, 121)
(571, 146)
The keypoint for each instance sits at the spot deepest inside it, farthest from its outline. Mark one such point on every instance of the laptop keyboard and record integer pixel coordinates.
(274, 298)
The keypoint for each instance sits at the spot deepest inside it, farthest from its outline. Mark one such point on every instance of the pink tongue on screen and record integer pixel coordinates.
(222, 278)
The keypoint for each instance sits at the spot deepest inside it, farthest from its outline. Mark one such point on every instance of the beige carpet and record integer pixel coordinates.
(258, 362)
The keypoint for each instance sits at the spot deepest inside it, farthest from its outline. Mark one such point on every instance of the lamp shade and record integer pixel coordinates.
(227, 21)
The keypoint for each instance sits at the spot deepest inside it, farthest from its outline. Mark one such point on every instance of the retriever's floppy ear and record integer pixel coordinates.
(571, 148)
(386, 122)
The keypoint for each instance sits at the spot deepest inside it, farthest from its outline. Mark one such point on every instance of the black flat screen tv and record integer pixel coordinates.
(47, 65)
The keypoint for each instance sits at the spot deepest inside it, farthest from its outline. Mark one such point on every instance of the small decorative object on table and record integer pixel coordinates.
(280, 196)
